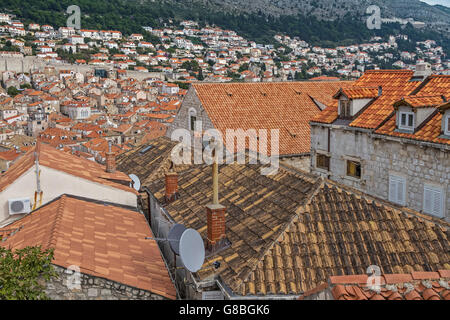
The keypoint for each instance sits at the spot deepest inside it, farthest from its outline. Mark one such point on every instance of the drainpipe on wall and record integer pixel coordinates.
(329, 135)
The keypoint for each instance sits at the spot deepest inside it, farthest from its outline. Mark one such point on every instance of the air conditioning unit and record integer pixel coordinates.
(19, 206)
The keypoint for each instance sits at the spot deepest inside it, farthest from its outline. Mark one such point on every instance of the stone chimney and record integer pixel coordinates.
(423, 70)
(110, 159)
(171, 185)
(215, 213)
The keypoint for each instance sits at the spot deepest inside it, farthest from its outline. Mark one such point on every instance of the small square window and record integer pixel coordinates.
(406, 121)
(354, 169)
(323, 162)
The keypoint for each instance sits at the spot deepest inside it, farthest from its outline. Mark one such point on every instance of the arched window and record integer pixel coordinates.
(192, 118)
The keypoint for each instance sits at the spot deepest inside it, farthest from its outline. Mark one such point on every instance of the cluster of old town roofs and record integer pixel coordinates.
(190, 53)
(302, 232)
(81, 112)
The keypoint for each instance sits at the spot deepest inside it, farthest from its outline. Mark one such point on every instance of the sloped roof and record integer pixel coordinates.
(358, 93)
(429, 132)
(9, 155)
(147, 160)
(420, 101)
(395, 85)
(258, 209)
(410, 286)
(398, 90)
(290, 231)
(287, 106)
(68, 163)
(340, 232)
(431, 129)
(434, 85)
(103, 240)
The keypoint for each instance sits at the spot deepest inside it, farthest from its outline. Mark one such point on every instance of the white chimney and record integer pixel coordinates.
(423, 70)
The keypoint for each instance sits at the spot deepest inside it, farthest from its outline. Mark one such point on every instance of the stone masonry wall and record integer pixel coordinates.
(419, 164)
(29, 63)
(67, 286)
(301, 163)
(190, 101)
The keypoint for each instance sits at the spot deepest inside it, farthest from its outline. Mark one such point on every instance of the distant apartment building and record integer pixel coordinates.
(389, 136)
(37, 122)
(76, 111)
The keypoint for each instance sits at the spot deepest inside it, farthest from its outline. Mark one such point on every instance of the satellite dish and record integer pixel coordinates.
(192, 250)
(135, 182)
(174, 236)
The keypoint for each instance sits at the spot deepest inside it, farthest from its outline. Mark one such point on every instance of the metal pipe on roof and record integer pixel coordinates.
(215, 177)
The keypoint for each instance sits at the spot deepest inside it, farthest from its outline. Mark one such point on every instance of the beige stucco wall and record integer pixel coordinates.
(23, 187)
(54, 183)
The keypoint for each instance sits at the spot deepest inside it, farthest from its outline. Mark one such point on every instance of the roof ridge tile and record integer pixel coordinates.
(57, 219)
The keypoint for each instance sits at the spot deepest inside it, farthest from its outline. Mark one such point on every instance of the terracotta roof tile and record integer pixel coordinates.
(340, 233)
(420, 275)
(358, 92)
(66, 162)
(394, 85)
(291, 231)
(103, 240)
(421, 101)
(398, 287)
(287, 106)
(397, 90)
(430, 132)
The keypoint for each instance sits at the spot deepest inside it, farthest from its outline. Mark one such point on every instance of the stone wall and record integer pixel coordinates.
(87, 287)
(190, 102)
(302, 163)
(29, 63)
(380, 157)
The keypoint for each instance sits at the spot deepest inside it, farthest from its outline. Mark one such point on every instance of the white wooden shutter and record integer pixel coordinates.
(427, 200)
(401, 191)
(433, 201)
(397, 189)
(392, 188)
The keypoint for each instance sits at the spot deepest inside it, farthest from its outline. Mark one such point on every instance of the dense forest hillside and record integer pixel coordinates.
(130, 16)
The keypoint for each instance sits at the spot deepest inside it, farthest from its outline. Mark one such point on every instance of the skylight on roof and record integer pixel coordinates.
(147, 148)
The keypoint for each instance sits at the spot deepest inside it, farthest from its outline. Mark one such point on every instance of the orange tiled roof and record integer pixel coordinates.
(9, 155)
(103, 240)
(287, 106)
(65, 162)
(358, 93)
(429, 132)
(434, 85)
(420, 101)
(395, 85)
(411, 286)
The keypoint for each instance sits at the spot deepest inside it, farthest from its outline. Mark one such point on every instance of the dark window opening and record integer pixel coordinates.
(192, 123)
(323, 162)
(354, 169)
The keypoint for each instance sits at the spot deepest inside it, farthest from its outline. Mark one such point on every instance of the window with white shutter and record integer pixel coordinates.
(433, 200)
(397, 189)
